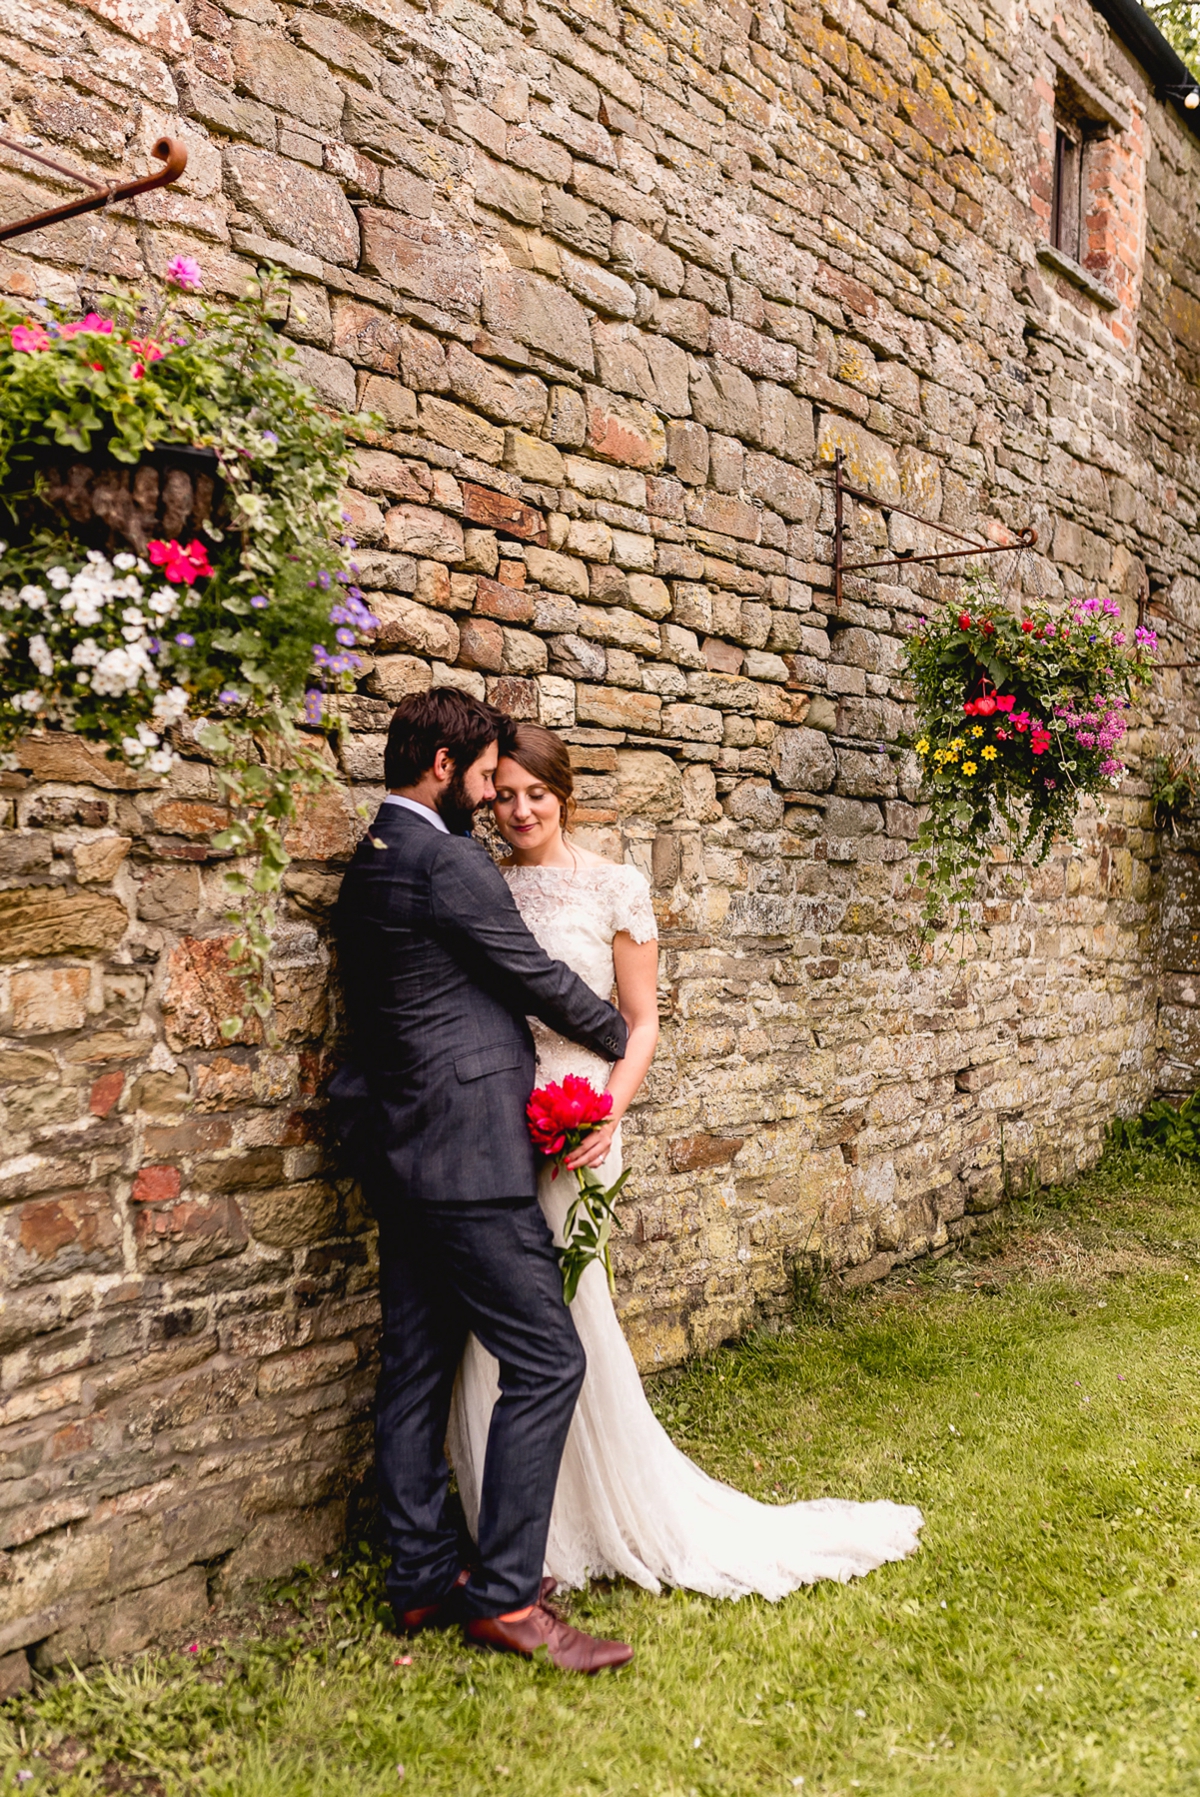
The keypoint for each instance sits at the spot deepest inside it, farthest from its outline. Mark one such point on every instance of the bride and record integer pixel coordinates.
(628, 1502)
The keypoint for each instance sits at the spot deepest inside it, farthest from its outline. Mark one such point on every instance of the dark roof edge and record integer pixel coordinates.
(1161, 61)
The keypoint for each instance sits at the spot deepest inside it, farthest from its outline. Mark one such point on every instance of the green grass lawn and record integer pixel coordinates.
(1037, 1396)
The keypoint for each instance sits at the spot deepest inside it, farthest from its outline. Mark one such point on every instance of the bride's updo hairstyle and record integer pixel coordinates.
(545, 756)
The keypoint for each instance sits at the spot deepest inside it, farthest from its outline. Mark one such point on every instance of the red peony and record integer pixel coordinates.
(989, 629)
(1027, 624)
(180, 566)
(964, 620)
(561, 1115)
(1039, 742)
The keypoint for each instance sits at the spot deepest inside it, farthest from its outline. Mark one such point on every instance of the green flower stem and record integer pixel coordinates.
(587, 1229)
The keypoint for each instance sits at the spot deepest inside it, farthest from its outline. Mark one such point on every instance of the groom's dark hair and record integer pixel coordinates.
(442, 718)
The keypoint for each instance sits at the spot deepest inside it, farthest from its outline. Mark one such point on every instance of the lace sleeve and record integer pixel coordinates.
(632, 909)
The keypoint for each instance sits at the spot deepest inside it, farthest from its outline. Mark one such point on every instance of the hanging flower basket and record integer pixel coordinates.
(1018, 719)
(174, 550)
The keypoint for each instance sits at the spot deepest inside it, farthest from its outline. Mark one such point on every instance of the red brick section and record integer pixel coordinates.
(156, 1185)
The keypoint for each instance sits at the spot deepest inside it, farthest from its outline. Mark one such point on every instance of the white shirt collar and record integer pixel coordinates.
(424, 811)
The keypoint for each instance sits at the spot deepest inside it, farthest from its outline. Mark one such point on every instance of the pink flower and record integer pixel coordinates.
(138, 370)
(29, 338)
(184, 271)
(181, 566)
(91, 325)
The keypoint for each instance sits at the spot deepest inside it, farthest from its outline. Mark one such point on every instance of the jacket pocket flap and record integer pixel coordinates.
(488, 1060)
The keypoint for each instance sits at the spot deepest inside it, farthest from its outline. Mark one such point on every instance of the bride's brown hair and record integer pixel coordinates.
(545, 756)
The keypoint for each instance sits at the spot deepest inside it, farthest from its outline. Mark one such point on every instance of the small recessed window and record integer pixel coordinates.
(1067, 209)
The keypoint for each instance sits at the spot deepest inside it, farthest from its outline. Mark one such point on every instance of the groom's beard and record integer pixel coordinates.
(455, 808)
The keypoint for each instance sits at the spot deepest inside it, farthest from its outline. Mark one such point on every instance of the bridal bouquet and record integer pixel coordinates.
(560, 1117)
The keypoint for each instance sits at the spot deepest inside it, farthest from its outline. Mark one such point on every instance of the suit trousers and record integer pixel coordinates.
(447, 1269)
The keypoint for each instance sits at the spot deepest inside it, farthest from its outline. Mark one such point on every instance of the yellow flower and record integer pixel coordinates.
(976, 729)
(922, 747)
(989, 754)
(949, 755)
(956, 742)
(968, 767)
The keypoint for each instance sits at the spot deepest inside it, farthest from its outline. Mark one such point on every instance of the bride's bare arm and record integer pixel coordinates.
(636, 965)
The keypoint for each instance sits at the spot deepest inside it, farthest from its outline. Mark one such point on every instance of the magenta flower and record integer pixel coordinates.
(184, 271)
(29, 338)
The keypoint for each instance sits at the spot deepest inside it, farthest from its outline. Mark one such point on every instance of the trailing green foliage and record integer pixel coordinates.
(225, 636)
(1017, 720)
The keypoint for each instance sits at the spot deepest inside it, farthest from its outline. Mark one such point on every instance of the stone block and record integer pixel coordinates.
(425, 260)
(624, 430)
(481, 645)
(393, 677)
(559, 573)
(419, 530)
(519, 400)
(533, 459)
(649, 786)
(130, 1622)
(49, 920)
(292, 1216)
(404, 624)
(623, 629)
(612, 709)
(804, 760)
(862, 776)
(191, 1232)
(524, 653)
(47, 1000)
(201, 990)
(52, 1238)
(526, 306)
(500, 512)
(456, 428)
(285, 77)
(301, 205)
(16, 1675)
(97, 861)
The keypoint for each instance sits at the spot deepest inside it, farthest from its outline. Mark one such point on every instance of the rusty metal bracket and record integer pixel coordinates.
(841, 490)
(167, 150)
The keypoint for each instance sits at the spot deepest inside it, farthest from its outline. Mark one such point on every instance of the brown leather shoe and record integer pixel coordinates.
(439, 1615)
(566, 1647)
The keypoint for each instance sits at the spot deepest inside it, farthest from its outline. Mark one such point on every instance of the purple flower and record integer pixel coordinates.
(259, 601)
(323, 581)
(313, 702)
(346, 637)
(153, 645)
(270, 437)
(186, 640)
(320, 655)
(229, 696)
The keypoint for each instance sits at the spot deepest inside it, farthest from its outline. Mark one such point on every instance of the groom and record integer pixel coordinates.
(440, 972)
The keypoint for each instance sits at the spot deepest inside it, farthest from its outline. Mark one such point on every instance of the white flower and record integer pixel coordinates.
(161, 762)
(117, 672)
(124, 561)
(131, 615)
(30, 701)
(162, 603)
(170, 706)
(147, 736)
(3, 643)
(40, 654)
(87, 653)
(132, 748)
(33, 597)
(58, 578)
(132, 633)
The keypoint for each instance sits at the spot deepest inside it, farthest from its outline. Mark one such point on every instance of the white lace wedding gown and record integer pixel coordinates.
(628, 1502)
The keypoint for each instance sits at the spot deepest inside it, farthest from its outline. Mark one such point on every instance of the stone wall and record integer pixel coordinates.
(619, 278)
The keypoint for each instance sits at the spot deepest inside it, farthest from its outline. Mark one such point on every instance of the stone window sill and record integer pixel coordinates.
(1078, 276)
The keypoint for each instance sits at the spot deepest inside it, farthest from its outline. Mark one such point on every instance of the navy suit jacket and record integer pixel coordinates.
(440, 972)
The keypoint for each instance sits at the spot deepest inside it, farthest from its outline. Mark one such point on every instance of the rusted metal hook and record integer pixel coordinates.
(168, 150)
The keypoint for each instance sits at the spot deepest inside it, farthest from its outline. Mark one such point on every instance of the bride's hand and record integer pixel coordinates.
(594, 1149)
